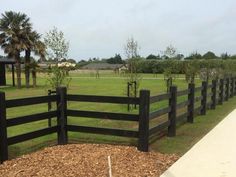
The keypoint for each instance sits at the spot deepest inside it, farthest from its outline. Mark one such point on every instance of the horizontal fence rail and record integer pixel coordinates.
(103, 131)
(159, 127)
(102, 99)
(30, 118)
(161, 97)
(31, 135)
(30, 101)
(182, 104)
(197, 99)
(197, 109)
(183, 92)
(197, 89)
(159, 113)
(103, 115)
(182, 116)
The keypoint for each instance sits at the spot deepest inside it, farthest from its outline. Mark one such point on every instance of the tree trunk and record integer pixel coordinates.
(27, 68)
(34, 78)
(18, 70)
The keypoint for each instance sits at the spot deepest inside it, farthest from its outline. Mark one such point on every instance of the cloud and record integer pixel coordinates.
(100, 28)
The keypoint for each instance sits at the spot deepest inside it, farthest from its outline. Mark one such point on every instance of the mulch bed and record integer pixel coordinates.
(88, 160)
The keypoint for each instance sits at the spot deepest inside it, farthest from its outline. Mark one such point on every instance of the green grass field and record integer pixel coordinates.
(108, 84)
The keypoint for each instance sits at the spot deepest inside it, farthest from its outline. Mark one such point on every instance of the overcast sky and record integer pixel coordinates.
(101, 28)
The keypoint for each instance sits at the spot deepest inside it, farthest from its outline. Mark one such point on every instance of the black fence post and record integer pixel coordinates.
(227, 89)
(135, 93)
(232, 87)
(204, 98)
(3, 129)
(191, 88)
(62, 134)
(172, 113)
(221, 92)
(128, 108)
(49, 108)
(234, 79)
(143, 141)
(213, 97)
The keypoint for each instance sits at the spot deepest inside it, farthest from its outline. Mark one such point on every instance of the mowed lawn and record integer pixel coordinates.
(109, 84)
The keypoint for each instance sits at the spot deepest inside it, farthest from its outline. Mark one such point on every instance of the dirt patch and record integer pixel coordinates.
(88, 160)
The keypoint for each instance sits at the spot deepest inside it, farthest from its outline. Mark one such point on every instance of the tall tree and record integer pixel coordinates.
(209, 55)
(152, 57)
(31, 38)
(194, 56)
(225, 56)
(40, 50)
(12, 37)
(34, 44)
(115, 60)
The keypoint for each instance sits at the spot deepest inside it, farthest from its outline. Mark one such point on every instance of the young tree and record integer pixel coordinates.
(57, 46)
(57, 49)
(131, 48)
(191, 69)
(58, 77)
(170, 52)
(170, 70)
(208, 69)
(131, 51)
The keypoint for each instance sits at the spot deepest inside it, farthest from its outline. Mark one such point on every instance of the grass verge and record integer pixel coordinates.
(189, 134)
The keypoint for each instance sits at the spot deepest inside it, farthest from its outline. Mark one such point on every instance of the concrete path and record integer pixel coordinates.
(213, 156)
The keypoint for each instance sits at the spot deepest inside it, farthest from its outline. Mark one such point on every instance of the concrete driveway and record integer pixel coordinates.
(213, 156)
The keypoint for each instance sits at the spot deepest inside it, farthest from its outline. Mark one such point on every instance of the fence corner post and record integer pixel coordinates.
(143, 141)
(213, 97)
(172, 113)
(204, 98)
(3, 129)
(62, 134)
(191, 88)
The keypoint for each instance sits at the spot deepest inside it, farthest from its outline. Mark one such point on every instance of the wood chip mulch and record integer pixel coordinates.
(88, 160)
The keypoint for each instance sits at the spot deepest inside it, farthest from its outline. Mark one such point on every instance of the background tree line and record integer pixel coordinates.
(20, 41)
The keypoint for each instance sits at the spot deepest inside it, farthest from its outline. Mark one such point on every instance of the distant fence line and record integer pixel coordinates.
(217, 91)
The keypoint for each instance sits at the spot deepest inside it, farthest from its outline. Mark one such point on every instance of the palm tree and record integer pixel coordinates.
(34, 66)
(39, 48)
(32, 38)
(12, 37)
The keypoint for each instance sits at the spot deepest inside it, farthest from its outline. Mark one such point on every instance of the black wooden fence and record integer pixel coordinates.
(209, 97)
